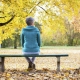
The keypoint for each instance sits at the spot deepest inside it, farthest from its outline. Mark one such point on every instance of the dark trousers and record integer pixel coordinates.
(30, 59)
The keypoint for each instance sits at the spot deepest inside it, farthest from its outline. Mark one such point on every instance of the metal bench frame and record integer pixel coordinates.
(2, 56)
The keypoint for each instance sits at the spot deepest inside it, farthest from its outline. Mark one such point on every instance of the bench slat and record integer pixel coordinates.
(31, 55)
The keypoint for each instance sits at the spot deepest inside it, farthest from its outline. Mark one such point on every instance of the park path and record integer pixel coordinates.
(73, 61)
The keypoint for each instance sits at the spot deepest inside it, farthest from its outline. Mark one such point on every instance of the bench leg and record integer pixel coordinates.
(2, 67)
(58, 64)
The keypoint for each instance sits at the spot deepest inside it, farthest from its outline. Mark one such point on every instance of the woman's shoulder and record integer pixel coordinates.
(37, 29)
(23, 30)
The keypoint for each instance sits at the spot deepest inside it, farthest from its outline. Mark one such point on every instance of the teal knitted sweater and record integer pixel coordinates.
(30, 39)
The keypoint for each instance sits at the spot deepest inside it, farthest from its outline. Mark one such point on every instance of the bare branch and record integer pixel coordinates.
(3, 17)
(46, 11)
(35, 6)
(43, 9)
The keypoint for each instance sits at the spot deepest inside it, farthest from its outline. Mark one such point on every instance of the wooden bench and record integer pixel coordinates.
(2, 57)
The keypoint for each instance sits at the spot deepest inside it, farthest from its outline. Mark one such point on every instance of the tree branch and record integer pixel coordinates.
(46, 11)
(35, 6)
(43, 9)
(1, 24)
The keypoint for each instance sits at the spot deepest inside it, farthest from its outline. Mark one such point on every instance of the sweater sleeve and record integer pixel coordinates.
(39, 39)
(22, 38)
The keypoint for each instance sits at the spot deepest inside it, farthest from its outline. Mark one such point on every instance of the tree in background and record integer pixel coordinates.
(73, 30)
(76, 26)
(52, 17)
(69, 32)
(38, 26)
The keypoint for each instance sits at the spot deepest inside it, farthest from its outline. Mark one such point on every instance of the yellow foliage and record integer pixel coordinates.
(50, 13)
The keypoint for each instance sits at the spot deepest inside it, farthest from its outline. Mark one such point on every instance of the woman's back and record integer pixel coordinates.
(31, 39)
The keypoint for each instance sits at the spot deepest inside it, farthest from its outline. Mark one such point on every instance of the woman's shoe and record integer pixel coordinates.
(33, 66)
(30, 65)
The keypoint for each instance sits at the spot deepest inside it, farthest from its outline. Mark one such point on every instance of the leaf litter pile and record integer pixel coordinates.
(43, 74)
(16, 68)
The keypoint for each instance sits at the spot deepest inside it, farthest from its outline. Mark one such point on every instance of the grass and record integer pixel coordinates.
(51, 47)
(62, 47)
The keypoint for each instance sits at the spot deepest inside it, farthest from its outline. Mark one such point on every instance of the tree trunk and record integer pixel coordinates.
(3, 44)
(15, 43)
(70, 42)
(0, 45)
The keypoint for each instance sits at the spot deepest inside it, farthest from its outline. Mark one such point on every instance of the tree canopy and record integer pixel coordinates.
(50, 14)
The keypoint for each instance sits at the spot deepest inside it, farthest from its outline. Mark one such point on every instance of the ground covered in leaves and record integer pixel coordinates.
(44, 74)
(16, 68)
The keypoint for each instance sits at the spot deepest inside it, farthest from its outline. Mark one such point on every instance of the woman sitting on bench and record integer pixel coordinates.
(30, 39)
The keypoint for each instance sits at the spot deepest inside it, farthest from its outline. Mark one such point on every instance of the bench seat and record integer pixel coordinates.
(32, 55)
(2, 56)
